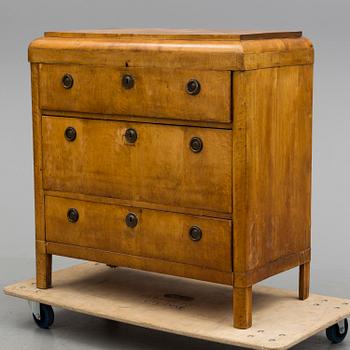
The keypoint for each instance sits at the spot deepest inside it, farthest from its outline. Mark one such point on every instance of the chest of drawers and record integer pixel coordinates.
(179, 152)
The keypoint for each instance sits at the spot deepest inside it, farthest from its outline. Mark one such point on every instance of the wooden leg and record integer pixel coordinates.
(304, 281)
(43, 270)
(242, 307)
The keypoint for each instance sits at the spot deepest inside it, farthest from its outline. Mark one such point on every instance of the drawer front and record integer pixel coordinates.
(149, 92)
(155, 234)
(159, 167)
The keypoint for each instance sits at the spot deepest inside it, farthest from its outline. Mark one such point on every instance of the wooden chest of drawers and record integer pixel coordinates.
(180, 152)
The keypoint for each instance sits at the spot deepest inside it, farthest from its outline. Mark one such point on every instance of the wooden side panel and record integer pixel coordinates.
(158, 168)
(272, 165)
(156, 92)
(43, 260)
(158, 234)
(37, 153)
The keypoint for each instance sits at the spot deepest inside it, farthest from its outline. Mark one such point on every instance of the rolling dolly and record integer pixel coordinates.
(186, 307)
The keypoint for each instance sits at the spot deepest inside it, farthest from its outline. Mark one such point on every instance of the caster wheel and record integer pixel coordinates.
(46, 316)
(337, 333)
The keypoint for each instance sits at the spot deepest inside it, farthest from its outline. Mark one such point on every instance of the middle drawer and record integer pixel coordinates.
(177, 166)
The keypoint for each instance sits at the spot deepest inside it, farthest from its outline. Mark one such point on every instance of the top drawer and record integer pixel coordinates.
(162, 93)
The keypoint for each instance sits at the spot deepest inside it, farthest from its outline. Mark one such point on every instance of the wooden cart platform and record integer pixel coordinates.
(186, 307)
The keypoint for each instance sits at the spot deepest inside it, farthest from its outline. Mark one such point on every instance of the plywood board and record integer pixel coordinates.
(186, 307)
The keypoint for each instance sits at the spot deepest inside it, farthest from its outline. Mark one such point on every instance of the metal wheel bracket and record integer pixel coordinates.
(341, 325)
(35, 308)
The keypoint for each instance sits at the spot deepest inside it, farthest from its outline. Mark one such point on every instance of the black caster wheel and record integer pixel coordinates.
(46, 316)
(337, 333)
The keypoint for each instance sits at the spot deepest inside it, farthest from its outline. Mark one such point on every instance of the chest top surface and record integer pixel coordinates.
(174, 34)
(174, 48)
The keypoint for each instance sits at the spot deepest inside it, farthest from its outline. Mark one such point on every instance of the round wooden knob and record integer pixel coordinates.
(67, 81)
(131, 135)
(196, 144)
(195, 233)
(70, 134)
(72, 215)
(193, 87)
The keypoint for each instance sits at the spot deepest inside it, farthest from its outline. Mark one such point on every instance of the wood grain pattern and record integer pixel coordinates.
(276, 53)
(37, 156)
(304, 281)
(284, 263)
(43, 260)
(156, 92)
(273, 174)
(141, 263)
(242, 307)
(43, 265)
(161, 235)
(180, 34)
(154, 53)
(280, 319)
(272, 171)
(139, 204)
(129, 118)
(158, 168)
(178, 269)
(253, 115)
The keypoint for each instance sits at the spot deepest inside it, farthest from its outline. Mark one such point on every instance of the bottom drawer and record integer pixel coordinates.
(187, 239)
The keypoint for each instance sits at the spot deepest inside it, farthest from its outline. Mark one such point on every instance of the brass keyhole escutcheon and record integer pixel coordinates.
(128, 81)
(131, 220)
